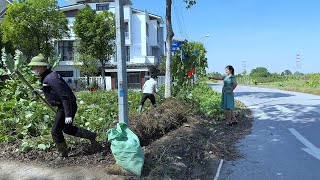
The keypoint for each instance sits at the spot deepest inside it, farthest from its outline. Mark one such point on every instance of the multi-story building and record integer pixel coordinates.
(144, 41)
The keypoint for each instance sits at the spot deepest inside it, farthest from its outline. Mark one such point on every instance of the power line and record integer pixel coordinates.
(183, 20)
(178, 19)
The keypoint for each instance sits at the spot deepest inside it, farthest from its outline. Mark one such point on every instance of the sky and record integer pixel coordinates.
(257, 33)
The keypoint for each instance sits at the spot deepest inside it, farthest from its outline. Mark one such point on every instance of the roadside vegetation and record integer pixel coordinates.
(297, 82)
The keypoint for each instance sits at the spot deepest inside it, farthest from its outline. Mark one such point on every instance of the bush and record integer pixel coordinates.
(314, 80)
(25, 118)
(204, 99)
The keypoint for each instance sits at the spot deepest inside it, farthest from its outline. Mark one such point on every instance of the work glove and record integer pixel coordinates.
(37, 91)
(68, 120)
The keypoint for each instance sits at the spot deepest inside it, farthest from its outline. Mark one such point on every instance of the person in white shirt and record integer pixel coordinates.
(149, 88)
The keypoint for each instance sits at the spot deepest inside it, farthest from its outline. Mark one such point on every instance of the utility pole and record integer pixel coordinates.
(244, 67)
(122, 65)
(298, 62)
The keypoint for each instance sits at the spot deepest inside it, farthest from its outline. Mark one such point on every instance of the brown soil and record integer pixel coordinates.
(194, 150)
(178, 144)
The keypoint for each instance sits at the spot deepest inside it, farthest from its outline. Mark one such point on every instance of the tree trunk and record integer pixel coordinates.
(170, 35)
(88, 81)
(103, 75)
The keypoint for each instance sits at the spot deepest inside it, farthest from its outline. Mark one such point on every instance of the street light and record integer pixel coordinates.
(205, 36)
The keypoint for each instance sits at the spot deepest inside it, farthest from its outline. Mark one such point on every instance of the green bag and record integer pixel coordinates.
(126, 149)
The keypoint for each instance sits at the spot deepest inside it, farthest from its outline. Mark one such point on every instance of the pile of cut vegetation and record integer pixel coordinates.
(160, 120)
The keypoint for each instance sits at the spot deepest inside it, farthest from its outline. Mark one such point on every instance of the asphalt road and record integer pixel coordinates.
(285, 139)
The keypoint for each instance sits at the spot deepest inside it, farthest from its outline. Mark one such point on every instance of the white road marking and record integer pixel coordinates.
(311, 149)
(218, 170)
(258, 113)
(284, 109)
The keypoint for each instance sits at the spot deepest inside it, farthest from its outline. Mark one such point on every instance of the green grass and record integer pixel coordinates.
(293, 85)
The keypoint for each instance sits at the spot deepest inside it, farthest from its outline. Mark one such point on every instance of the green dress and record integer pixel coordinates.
(227, 101)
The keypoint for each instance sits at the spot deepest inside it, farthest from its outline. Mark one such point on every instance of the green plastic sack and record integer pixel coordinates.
(126, 149)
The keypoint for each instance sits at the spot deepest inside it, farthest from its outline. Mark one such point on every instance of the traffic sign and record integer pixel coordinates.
(176, 45)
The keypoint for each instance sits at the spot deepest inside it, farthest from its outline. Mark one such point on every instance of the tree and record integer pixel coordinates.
(286, 73)
(194, 58)
(87, 65)
(7, 45)
(162, 65)
(169, 37)
(96, 33)
(215, 74)
(260, 72)
(32, 25)
(297, 73)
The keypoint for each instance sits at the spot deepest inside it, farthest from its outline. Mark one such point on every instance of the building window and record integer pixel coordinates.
(147, 27)
(133, 80)
(128, 53)
(65, 73)
(102, 7)
(65, 48)
(126, 28)
(154, 51)
(158, 35)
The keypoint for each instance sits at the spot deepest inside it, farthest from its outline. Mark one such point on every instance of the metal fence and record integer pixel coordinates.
(80, 83)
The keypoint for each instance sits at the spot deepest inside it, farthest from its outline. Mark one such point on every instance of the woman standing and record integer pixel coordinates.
(227, 101)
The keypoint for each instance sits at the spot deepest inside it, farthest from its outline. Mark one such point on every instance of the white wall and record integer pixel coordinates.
(138, 46)
(127, 18)
(161, 38)
(153, 33)
(70, 25)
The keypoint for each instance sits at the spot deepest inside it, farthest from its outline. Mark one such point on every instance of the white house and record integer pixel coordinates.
(144, 42)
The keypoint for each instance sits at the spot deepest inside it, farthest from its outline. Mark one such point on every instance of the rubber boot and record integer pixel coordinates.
(83, 133)
(63, 151)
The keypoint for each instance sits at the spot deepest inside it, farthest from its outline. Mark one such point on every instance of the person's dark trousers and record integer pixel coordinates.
(59, 127)
(146, 96)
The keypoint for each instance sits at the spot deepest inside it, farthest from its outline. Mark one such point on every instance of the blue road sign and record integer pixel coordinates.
(176, 45)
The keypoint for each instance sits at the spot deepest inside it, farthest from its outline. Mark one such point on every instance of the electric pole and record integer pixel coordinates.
(244, 67)
(298, 62)
(122, 65)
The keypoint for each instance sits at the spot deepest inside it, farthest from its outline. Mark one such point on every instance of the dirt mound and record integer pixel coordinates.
(160, 120)
(194, 150)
